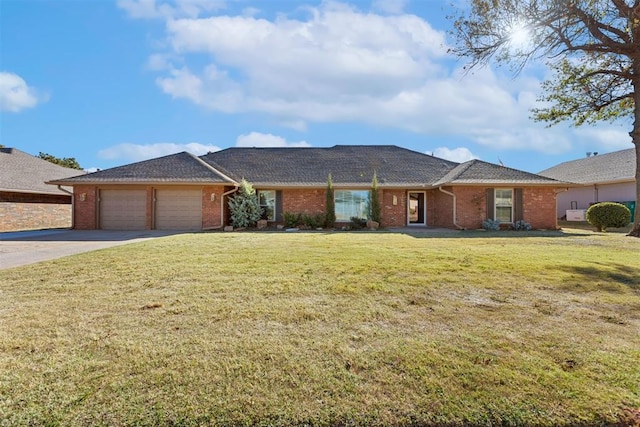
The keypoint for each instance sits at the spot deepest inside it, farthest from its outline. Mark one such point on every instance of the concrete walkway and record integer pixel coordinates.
(28, 247)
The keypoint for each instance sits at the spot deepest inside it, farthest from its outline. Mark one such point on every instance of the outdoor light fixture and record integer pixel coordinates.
(395, 200)
(213, 197)
(83, 197)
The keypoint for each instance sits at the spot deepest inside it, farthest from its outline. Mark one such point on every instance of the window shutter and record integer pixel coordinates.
(490, 204)
(278, 215)
(518, 214)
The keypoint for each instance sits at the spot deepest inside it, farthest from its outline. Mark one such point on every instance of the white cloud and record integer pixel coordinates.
(458, 155)
(604, 138)
(390, 6)
(15, 95)
(257, 139)
(137, 152)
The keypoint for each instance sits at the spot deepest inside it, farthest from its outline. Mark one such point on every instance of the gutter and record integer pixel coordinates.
(73, 206)
(455, 219)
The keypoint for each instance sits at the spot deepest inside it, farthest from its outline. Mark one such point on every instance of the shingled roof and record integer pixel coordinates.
(352, 165)
(175, 168)
(619, 166)
(479, 172)
(21, 172)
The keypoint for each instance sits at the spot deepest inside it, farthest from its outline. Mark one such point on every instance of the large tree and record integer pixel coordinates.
(592, 48)
(67, 162)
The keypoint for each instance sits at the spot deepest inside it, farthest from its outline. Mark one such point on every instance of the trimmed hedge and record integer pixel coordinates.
(608, 214)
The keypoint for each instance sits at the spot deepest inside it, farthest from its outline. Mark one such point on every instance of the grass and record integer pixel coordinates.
(469, 328)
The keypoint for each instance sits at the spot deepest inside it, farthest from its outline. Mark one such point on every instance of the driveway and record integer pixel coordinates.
(28, 247)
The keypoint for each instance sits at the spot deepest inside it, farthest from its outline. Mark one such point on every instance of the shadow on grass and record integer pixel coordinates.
(614, 274)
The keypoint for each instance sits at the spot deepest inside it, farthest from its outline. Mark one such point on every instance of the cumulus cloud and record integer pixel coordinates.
(138, 152)
(604, 138)
(257, 139)
(15, 94)
(458, 155)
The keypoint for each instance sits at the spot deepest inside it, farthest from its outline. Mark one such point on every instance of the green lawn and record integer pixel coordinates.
(276, 328)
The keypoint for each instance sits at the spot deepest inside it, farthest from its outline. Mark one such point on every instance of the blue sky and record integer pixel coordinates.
(113, 82)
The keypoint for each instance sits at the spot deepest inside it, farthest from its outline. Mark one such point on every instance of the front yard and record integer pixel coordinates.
(327, 329)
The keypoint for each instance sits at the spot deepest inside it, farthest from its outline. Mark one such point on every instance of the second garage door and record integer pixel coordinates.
(123, 209)
(179, 209)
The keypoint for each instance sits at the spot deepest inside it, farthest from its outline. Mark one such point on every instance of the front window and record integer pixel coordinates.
(351, 203)
(504, 205)
(267, 199)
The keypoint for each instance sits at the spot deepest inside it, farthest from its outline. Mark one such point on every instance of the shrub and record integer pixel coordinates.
(521, 226)
(608, 214)
(291, 219)
(313, 221)
(357, 223)
(244, 206)
(330, 205)
(491, 224)
(375, 199)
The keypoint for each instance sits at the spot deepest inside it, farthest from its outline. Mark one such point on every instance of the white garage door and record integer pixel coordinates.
(123, 209)
(179, 209)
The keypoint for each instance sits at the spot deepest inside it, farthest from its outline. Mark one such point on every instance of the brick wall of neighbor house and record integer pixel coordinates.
(309, 201)
(10, 196)
(211, 209)
(85, 197)
(34, 216)
(393, 215)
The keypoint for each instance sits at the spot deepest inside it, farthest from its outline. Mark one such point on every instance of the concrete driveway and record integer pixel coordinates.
(28, 247)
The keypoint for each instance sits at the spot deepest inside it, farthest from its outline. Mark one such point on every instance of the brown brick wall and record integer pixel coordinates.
(34, 216)
(85, 205)
(58, 199)
(211, 209)
(539, 206)
(393, 215)
(309, 201)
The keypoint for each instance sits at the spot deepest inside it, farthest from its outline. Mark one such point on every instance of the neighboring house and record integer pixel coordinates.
(602, 178)
(182, 191)
(26, 202)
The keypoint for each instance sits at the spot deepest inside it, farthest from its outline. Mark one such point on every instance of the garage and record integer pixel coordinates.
(178, 209)
(123, 209)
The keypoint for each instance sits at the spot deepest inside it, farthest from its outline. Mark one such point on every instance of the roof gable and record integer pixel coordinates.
(602, 168)
(479, 172)
(347, 164)
(175, 168)
(22, 172)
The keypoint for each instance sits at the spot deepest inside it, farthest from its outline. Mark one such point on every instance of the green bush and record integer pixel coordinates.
(313, 221)
(357, 223)
(292, 220)
(330, 205)
(491, 224)
(244, 206)
(608, 214)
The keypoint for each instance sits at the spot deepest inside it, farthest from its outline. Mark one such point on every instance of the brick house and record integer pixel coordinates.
(182, 191)
(26, 202)
(609, 177)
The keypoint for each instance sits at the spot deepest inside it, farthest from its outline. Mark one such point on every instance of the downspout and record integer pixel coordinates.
(73, 206)
(222, 204)
(455, 219)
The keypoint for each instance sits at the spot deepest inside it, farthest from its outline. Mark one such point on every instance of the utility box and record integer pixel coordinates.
(576, 215)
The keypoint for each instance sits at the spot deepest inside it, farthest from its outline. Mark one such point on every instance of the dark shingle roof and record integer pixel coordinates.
(611, 167)
(479, 172)
(175, 168)
(22, 172)
(348, 164)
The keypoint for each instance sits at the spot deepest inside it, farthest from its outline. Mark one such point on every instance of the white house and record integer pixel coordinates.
(603, 178)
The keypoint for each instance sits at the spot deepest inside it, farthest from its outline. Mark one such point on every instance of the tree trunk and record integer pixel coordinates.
(635, 138)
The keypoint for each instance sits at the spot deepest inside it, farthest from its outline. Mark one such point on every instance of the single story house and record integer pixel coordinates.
(183, 191)
(601, 177)
(26, 202)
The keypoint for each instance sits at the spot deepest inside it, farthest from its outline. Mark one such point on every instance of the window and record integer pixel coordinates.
(351, 203)
(504, 204)
(267, 200)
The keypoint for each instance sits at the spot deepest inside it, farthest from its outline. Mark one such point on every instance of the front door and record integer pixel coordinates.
(417, 208)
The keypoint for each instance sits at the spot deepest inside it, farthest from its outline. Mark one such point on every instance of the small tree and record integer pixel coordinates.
(244, 206)
(330, 205)
(67, 162)
(375, 199)
(608, 214)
